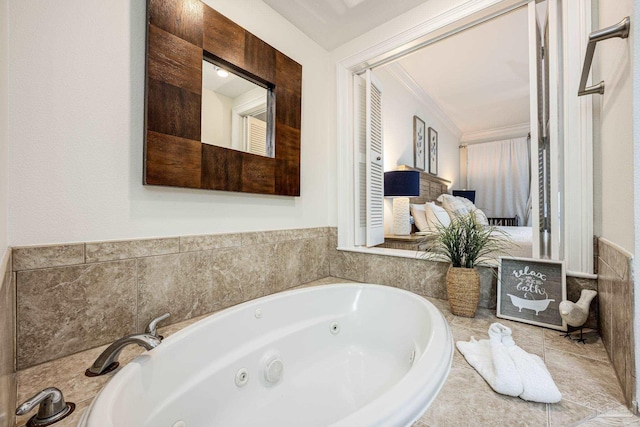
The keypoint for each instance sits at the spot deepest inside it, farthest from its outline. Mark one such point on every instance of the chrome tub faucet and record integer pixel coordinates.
(108, 360)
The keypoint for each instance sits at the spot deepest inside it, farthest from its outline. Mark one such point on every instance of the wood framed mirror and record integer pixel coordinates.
(180, 34)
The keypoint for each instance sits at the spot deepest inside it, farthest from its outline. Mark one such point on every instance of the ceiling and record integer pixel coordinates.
(331, 23)
(231, 86)
(479, 78)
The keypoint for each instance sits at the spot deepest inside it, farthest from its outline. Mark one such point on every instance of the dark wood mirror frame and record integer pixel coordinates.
(179, 34)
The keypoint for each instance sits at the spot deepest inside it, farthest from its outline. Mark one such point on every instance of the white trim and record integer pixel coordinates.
(578, 136)
(496, 134)
(535, 134)
(553, 54)
(581, 275)
(400, 74)
(397, 45)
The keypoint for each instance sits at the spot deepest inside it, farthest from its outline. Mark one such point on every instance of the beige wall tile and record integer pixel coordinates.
(605, 301)
(126, 249)
(314, 259)
(383, 270)
(277, 236)
(211, 241)
(31, 257)
(488, 287)
(616, 314)
(284, 265)
(64, 310)
(348, 265)
(619, 262)
(423, 277)
(7, 336)
(180, 284)
(239, 274)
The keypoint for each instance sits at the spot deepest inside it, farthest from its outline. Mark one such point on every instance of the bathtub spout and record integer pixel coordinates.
(108, 360)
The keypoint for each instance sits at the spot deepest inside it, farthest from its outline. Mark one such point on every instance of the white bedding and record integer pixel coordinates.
(520, 245)
(521, 238)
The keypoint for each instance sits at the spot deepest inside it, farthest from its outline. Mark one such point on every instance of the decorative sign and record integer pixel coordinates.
(531, 290)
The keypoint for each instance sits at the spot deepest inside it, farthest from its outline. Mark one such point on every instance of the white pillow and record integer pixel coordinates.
(436, 215)
(481, 217)
(453, 205)
(466, 202)
(419, 216)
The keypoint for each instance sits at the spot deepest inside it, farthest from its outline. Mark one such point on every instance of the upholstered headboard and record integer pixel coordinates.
(430, 186)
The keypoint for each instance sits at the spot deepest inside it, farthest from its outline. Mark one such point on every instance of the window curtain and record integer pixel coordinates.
(500, 173)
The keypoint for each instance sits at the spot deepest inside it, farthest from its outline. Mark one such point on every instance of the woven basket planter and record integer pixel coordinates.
(463, 290)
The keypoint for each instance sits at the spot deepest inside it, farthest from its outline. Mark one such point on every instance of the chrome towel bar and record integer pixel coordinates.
(621, 29)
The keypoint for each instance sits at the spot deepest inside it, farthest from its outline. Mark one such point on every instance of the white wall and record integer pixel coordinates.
(4, 111)
(635, 34)
(76, 129)
(216, 128)
(613, 137)
(399, 106)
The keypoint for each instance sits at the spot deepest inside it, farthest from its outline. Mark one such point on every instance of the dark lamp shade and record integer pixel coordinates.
(405, 183)
(467, 194)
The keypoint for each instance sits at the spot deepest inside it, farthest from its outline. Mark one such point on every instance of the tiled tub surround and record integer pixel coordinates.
(72, 297)
(78, 296)
(616, 313)
(7, 345)
(583, 373)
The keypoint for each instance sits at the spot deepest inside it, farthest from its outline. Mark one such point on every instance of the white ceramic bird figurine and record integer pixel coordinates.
(576, 313)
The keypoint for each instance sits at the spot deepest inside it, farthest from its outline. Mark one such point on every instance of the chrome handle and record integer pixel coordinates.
(152, 327)
(52, 407)
(621, 29)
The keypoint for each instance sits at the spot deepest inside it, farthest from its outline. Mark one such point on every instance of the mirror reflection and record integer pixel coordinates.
(234, 112)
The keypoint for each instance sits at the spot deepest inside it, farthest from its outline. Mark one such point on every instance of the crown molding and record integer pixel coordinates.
(400, 74)
(496, 134)
(414, 38)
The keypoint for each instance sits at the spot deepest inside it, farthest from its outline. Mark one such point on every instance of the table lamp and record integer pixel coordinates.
(401, 185)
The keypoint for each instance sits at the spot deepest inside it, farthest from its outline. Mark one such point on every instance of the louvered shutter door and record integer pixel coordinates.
(374, 168)
(256, 136)
(360, 137)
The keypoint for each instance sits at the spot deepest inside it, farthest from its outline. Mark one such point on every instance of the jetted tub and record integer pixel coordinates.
(335, 355)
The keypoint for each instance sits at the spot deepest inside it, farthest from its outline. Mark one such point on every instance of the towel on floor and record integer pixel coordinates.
(491, 359)
(508, 369)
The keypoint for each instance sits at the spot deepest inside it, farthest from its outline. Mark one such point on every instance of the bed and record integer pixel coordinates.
(431, 187)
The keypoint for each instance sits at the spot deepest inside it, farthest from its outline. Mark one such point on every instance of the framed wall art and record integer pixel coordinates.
(433, 151)
(531, 290)
(419, 157)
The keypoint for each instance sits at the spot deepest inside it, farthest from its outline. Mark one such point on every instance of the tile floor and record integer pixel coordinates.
(591, 394)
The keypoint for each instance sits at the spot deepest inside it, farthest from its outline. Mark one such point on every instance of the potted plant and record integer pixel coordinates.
(466, 244)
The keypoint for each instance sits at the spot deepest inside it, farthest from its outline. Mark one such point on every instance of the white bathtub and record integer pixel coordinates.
(337, 355)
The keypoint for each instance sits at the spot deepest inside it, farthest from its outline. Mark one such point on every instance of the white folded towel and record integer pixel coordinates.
(508, 369)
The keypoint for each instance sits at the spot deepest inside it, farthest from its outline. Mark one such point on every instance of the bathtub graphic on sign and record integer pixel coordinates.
(531, 291)
(532, 284)
(535, 305)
